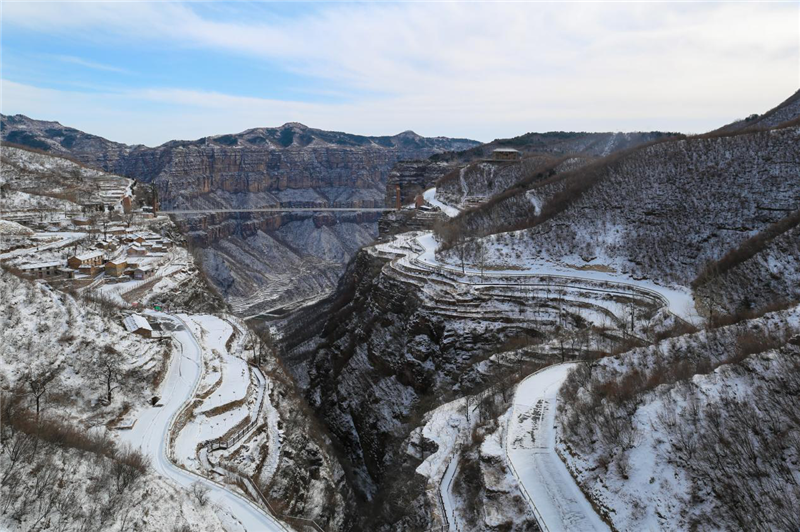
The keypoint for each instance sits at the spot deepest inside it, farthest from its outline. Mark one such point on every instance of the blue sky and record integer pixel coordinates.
(148, 72)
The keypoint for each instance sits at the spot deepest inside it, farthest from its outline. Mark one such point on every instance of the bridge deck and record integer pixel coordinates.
(278, 209)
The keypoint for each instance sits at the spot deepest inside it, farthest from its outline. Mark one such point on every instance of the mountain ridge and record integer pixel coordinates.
(258, 261)
(42, 134)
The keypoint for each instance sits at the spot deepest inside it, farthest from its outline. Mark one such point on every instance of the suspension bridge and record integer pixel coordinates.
(276, 209)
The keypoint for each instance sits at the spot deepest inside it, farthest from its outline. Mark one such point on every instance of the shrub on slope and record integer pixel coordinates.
(661, 211)
(696, 432)
(761, 270)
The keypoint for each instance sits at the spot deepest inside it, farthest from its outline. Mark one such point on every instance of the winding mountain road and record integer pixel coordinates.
(556, 500)
(151, 432)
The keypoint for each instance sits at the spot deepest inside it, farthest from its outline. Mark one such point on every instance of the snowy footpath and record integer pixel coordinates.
(556, 500)
(150, 434)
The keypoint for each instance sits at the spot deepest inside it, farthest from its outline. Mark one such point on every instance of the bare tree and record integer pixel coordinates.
(200, 493)
(38, 378)
(108, 366)
(480, 253)
(128, 466)
(462, 250)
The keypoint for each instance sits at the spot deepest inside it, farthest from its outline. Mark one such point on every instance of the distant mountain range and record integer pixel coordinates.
(258, 261)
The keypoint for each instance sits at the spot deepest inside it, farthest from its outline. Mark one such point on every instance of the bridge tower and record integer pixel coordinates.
(398, 203)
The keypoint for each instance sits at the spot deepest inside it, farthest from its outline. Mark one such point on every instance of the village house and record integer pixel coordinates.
(117, 230)
(144, 272)
(81, 221)
(137, 324)
(115, 268)
(90, 270)
(41, 270)
(94, 258)
(137, 250)
(106, 245)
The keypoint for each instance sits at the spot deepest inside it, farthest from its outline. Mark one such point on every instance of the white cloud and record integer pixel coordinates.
(90, 64)
(480, 70)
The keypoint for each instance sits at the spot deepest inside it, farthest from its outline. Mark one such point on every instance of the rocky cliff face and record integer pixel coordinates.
(258, 261)
(382, 356)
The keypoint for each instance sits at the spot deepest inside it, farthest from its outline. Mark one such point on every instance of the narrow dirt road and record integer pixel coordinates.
(557, 502)
(152, 428)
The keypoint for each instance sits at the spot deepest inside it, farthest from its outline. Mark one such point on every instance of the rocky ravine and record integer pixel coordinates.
(399, 338)
(258, 261)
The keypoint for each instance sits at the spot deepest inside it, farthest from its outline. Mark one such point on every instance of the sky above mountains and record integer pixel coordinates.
(148, 72)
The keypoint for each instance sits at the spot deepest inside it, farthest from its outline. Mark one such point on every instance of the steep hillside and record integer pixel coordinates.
(291, 166)
(80, 390)
(697, 432)
(762, 271)
(787, 111)
(67, 377)
(34, 185)
(660, 211)
(402, 335)
(559, 143)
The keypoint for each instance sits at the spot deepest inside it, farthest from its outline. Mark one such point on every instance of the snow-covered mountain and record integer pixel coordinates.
(600, 334)
(787, 112)
(509, 280)
(97, 392)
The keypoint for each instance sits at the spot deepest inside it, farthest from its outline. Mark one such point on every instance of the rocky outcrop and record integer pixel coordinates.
(411, 178)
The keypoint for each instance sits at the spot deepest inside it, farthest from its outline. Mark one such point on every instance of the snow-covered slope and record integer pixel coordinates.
(34, 180)
(660, 212)
(696, 432)
(763, 271)
(86, 375)
(787, 111)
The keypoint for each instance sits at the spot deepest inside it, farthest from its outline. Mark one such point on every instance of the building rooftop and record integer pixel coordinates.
(134, 322)
(34, 265)
(89, 256)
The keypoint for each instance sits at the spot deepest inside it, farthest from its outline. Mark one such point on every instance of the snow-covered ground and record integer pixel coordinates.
(697, 445)
(679, 299)
(430, 196)
(419, 250)
(448, 427)
(9, 228)
(151, 433)
(44, 244)
(557, 500)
